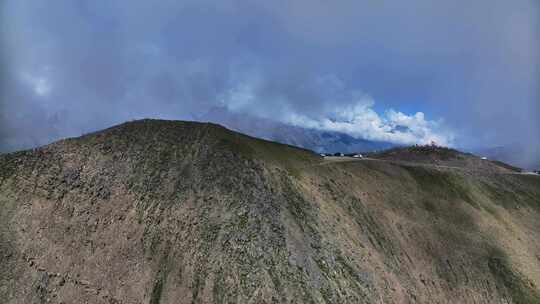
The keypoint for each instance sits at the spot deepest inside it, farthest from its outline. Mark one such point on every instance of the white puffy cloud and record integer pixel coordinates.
(340, 109)
(361, 121)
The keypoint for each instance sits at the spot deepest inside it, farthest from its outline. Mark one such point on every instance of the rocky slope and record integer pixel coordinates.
(179, 212)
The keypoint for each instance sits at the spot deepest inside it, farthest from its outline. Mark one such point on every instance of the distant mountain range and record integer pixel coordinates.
(317, 140)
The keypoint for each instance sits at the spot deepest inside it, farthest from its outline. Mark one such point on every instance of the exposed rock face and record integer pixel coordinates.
(178, 212)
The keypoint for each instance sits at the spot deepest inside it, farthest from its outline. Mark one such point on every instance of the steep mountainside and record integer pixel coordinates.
(179, 212)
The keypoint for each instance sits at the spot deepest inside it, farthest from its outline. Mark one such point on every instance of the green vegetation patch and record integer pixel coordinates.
(443, 185)
(514, 191)
(286, 156)
(7, 166)
(521, 290)
(157, 290)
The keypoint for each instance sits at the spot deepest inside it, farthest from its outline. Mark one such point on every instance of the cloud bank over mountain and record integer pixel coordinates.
(344, 110)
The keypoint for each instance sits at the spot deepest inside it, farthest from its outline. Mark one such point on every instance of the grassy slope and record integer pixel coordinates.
(455, 229)
(193, 213)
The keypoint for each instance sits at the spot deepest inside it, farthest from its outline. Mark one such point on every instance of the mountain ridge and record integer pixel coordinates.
(176, 212)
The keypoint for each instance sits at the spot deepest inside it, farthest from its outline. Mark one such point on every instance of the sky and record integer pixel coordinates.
(461, 73)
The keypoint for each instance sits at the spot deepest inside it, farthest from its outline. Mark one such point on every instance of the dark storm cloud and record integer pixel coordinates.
(76, 66)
